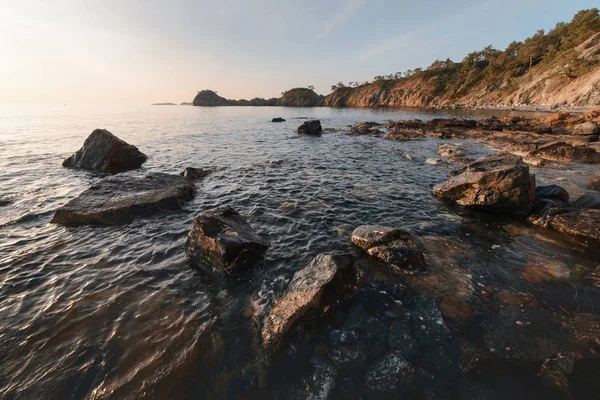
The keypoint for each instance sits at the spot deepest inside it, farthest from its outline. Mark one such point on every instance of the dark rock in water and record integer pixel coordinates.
(456, 311)
(402, 339)
(349, 358)
(450, 151)
(278, 119)
(428, 322)
(310, 128)
(561, 151)
(498, 183)
(552, 192)
(117, 200)
(340, 337)
(313, 292)
(581, 224)
(194, 173)
(544, 210)
(375, 336)
(590, 200)
(391, 376)
(4, 203)
(103, 151)
(222, 241)
(595, 184)
(393, 246)
(320, 384)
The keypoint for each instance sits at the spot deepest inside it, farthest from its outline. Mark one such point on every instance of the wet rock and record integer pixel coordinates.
(103, 151)
(456, 311)
(552, 192)
(320, 384)
(589, 200)
(428, 322)
(375, 336)
(393, 246)
(397, 136)
(550, 272)
(314, 291)
(349, 358)
(498, 183)
(450, 151)
(366, 128)
(222, 241)
(561, 151)
(278, 119)
(310, 128)
(544, 210)
(340, 337)
(194, 173)
(595, 184)
(585, 128)
(4, 203)
(391, 376)
(432, 161)
(510, 298)
(118, 200)
(579, 224)
(401, 339)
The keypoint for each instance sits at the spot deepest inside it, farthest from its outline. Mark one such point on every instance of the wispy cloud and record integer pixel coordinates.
(394, 43)
(339, 17)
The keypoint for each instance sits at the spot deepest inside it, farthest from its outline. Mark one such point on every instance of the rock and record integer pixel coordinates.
(550, 272)
(375, 337)
(366, 128)
(349, 358)
(432, 161)
(310, 128)
(103, 151)
(222, 241)
(194, 173)
(117, 200)
(456, 311)
(4, 203)
(278, 119)
(510, 298)
(595, 184)
(450, 151)
(390, 377)
(585, 128)
(314, 291)
(543, 210)
(393, 246)
(581, 224)
(561, 151)
(402, 339)
(498, 183)
(340, 337)
(428, 323)
(590, 200)
(320, 384)
(397, 136)
(552, 192)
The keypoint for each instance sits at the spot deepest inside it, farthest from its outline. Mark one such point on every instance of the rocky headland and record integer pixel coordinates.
(297, 97)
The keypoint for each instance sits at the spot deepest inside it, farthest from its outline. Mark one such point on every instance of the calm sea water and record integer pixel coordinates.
(117, 312)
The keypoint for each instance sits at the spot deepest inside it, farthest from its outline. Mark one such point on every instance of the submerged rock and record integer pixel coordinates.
(450, 151)
(319, 384)
(499, 183)
(222, 241)
(310, 128)
(391, 376)
(278, 119)
(393, 246)
(103, 151)
(397, 136)
(194, 173)
(581, 224)
(314, 291)
(117, 200)
(561, 151)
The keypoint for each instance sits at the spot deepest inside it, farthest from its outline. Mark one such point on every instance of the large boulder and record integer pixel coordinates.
(498, 183)
(563, 152)
(581, 224)
(103, 151)
(312, 127)
(222, 241)
(393, 246)
(118, 199)
(314, 291)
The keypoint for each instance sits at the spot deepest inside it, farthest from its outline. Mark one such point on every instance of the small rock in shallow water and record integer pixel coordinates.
(310, 128)
(117, 200)
(222, 241)
(4, 203)
(390, 377)
(450, 151)
(432, 161)
(194, 173)
(456, 311)
(278, 119)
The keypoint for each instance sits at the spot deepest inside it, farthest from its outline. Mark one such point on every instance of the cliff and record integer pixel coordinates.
(298, 97)
(553, 70)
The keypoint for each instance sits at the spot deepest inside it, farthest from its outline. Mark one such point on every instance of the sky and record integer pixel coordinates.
(146, 51)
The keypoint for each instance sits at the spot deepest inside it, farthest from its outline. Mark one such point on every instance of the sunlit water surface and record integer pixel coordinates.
(118, 312)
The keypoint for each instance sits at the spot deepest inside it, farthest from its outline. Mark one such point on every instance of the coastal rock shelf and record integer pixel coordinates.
(118, 200)
(103, 151)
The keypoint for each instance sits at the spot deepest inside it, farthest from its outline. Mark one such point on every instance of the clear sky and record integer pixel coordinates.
(144, 51)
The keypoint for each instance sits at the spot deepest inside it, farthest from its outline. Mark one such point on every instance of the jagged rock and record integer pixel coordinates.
(194, 173)
(393, 246)
(552, 192)
(310, 128)
(391, 376)
(397, 136)
(581, 224)
(544, 210)
(588, 200)
(222, 241)
(320, 384)
(585, 128)
(450, 151)
(561, 151)
(117, 200)
(278, 119)
(314, 291)
(103, 151)
(498, 183)
(366, 128)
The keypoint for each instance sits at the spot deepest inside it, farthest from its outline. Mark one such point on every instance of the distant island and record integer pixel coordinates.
(559, 69)
(164, 104)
